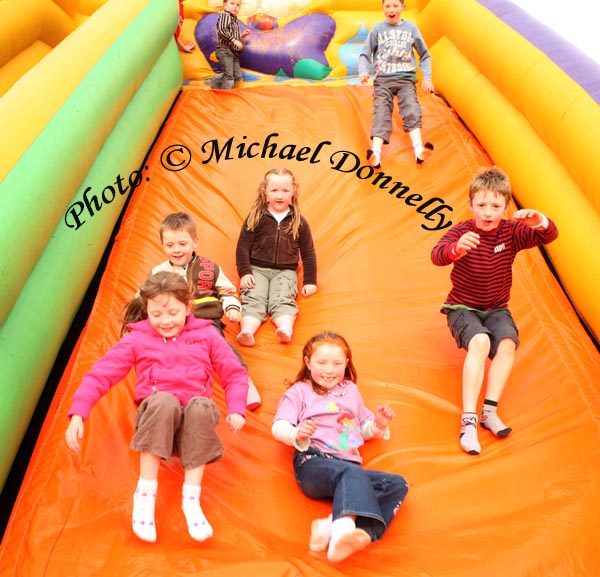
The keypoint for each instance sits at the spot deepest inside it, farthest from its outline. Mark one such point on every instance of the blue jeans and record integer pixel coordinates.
(373, 496)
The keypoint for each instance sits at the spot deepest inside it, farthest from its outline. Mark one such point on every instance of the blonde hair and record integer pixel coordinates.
(493, 179)
(260, 204)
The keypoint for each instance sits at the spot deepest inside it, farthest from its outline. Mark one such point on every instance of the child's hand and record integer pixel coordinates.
(427, 86)
(238, 44)
(186, 46)
(309, 289)
(247, 281)
(364, 78)
(306, 430)
(245, 33)
(467, 242)
(74, 433)
(235, 421)
(530, 217)
(383, 416)
(234, 315)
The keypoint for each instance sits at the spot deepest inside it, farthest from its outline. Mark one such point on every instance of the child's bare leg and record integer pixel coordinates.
(473, 373)
(500, 369)
(374, 153)
(346, 539)
(248, 327)
(198, 526)
(285, 327)
(422, 151)
(144, 498)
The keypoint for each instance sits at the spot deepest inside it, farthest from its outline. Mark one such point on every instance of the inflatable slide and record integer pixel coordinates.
(528, 505)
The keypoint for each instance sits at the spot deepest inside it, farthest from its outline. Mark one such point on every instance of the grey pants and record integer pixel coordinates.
(384, 90)
(230, 66)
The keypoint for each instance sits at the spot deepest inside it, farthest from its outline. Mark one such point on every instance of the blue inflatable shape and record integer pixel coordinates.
(272, 51)
(351, 49)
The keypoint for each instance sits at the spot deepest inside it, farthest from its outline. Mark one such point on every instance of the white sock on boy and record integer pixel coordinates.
(468, 434)
(491, 421)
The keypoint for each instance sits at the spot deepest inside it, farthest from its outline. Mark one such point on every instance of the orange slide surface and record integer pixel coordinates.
(527, 506)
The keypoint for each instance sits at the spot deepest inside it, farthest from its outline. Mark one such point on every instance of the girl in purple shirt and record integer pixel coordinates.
(323, 416)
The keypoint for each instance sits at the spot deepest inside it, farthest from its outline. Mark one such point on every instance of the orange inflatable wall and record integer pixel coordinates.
(528, 504)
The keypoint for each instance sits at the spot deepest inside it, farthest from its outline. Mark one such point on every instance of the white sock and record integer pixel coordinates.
(422, 151)
(198, 527)
(142, 517)
(491, 421)
(284, 333)
(468, 434)
(245, 338)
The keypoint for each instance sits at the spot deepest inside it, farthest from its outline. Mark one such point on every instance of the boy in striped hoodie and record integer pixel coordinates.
(482, 251)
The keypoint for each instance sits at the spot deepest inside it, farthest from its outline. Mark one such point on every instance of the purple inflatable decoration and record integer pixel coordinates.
(273, 51)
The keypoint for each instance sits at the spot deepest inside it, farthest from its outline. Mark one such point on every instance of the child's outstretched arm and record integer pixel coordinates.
(467, 242)
(532, 218)
(74, 433)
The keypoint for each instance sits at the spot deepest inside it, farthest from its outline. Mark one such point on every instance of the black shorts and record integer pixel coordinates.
(464, 324)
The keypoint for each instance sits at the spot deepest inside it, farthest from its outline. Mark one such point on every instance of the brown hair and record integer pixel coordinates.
(161, 283)
(178, 221)
(311, 346)
(260, 204)
(494, 179)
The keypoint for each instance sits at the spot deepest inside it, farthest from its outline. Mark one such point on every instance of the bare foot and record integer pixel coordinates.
(347, 544)
(320, 533)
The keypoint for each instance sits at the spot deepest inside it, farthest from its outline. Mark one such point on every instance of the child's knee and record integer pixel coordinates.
(479, 344)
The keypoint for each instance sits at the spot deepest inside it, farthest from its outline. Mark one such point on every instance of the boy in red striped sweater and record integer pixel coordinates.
(482, 251)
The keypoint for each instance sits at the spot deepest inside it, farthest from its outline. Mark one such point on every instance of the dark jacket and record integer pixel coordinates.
(270, 245)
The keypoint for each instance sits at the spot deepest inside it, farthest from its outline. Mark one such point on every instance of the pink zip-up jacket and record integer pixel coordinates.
(182, 366)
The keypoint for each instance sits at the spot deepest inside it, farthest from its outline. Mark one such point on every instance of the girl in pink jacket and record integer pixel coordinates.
(174, 355)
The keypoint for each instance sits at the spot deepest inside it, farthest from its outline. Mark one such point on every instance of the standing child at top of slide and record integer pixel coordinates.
(482, 251)
(324, 417)
(391, 45)
(214, 293)
(273, 237)
(174, 355)
(229, 45)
